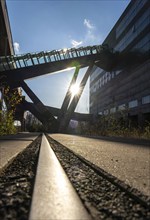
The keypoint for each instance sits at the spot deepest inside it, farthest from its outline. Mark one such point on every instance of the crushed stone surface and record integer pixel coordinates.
(16, 184)
(102, 199)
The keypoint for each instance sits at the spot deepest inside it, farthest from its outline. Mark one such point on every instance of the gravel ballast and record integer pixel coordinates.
(16, 183)
(102, 199)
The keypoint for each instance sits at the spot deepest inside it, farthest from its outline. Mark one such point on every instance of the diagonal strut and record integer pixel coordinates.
(68, 97)
(49, 121)
(65, 122)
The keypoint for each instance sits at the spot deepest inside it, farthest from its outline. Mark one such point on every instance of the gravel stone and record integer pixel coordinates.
(102, 199)
(16, 184)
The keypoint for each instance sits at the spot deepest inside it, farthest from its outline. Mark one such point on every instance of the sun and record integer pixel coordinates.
(74, 89)
(65, 50)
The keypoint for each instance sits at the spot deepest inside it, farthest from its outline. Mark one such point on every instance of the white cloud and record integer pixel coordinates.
(91, 36)
(76, 43)
(88, 24)
(16, 47)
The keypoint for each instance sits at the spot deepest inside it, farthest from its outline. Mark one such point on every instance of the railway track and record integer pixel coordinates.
(104, 196)
(35, 187)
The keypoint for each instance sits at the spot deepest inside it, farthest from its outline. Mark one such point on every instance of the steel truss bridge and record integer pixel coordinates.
(15, 69)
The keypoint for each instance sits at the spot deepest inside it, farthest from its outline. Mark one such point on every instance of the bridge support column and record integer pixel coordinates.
(68, 96)
(48, 119)
(65, 122)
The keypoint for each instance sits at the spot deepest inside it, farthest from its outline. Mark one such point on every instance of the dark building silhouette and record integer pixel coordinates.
(128, 86)
(6, 43)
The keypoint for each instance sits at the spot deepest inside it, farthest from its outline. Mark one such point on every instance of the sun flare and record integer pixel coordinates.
(65, 50)
(74, 89)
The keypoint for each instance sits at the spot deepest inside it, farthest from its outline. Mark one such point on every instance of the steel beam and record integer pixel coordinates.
(67, 117)
(68, 96)
(54, 196)
(49, 121)
(56, 111)
(6, 42)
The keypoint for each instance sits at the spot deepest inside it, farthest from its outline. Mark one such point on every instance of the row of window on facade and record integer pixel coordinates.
(134, 31)
(143, 44)
(103, 80)
(96, 73)
(131, 104)
(136, 7)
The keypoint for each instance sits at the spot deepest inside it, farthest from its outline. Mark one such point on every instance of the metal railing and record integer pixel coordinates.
(30, 59)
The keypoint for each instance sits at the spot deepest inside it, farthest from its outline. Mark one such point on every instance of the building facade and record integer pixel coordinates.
(127, 88)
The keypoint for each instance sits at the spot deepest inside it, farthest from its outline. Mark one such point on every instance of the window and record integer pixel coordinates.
(133, 103)
(106, 112)
(130, 15)
(146, 99)
(144, 43)
(118, 71)
(113, 75)
(121, 107)
(109, 76)
(140, 24)
(133, 28)
(98, 71)
(91, 104)
(113, 110)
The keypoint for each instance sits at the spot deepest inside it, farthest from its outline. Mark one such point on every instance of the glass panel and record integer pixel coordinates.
(146, 99)
(122, 107)
(133, 104)
(113, 110)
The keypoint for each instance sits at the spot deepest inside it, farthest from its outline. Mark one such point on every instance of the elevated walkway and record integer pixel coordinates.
(35, 64)
(32, 59)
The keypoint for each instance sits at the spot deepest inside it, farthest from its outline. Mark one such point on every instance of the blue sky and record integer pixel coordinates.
(46, 25)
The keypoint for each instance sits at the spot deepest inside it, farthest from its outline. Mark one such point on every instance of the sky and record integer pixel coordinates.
(40, 25)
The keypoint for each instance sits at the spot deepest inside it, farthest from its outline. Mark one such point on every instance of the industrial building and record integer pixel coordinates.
(129, 87)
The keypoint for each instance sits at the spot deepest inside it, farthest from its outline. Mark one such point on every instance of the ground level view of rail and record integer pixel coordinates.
(56, 176)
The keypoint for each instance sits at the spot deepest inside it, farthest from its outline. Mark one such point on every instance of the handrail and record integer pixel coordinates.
(31, 59)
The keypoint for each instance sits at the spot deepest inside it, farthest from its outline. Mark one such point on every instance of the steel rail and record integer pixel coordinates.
(102, 185)
(53, 196)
